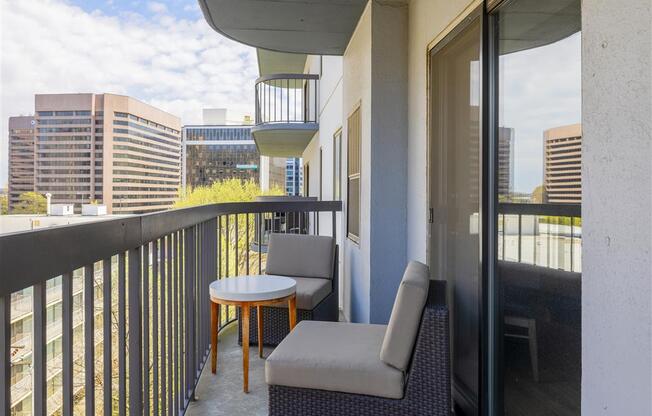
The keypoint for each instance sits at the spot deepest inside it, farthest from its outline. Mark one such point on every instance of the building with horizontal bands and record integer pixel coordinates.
(563, 164)
(107, 148)
(21, 158)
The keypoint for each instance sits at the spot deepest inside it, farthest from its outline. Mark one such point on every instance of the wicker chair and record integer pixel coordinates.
(423, 388)
(299, 256)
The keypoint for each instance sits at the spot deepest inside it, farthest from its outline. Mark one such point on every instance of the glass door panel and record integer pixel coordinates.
(455, 195)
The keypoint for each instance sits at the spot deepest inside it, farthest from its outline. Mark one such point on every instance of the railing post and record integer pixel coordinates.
(89, 340)
(5, 353)
(108, 336)
(67, 342)
(135, 334)
(122, 334)
(39, 350)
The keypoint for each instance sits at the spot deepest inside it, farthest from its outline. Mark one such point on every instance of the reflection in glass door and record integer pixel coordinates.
(539, 228)
(455, 195)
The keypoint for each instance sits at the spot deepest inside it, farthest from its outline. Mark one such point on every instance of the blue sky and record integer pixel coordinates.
(161, 52)
(182, 9)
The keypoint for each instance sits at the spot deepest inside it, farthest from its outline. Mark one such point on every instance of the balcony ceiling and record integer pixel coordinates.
(318, 27)
(283, 140)
(270, 62)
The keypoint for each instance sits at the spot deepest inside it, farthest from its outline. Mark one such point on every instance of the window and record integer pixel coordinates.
(337, 165)
(353, 173)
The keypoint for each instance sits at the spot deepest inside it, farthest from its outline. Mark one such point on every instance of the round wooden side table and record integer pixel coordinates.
(247, 292)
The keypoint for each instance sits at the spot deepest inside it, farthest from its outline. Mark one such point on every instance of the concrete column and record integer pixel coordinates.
(617, 207)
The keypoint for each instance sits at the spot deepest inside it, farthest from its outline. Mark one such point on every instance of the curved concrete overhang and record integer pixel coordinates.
(316, 27)
(537, 23)
(283, 139)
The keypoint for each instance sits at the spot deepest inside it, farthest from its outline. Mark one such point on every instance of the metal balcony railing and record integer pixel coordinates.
(287, 98)
(155, 315)
(546, 235)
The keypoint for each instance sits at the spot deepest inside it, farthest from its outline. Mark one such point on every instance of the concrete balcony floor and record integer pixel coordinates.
(221, 394)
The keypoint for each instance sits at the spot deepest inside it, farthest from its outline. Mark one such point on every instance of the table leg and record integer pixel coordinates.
(292, 309)
(259, 314)
(245, 346)
(214, 308)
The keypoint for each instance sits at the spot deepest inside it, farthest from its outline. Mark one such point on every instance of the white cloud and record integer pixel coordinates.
(181, 66)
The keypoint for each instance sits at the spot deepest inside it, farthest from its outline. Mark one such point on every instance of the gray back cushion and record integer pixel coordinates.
(301, 255)
(404, 322)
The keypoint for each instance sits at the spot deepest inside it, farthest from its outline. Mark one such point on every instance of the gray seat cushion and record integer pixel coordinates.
(335, 356)
(301, 255)
(404, 321)
(310, 291)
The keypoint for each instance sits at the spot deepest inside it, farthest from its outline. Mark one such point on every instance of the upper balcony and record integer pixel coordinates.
(286, 113)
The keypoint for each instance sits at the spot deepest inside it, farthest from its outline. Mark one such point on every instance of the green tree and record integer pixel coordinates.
(539, 195)
(30, 203)
(235, 246)
(4, 204)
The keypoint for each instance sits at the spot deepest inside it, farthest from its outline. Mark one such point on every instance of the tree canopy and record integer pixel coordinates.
(230, 190)
(30, 203)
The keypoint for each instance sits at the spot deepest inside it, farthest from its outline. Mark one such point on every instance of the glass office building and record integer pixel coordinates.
(217, 153)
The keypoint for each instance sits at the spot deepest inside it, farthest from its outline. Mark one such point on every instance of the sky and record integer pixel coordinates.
(160, 52)
(540, 88)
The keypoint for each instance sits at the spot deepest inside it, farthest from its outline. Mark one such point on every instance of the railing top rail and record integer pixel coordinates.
(271, 77)
(31, 257)
(554, 210)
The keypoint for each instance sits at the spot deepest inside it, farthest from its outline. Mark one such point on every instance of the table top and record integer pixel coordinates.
(252, 288)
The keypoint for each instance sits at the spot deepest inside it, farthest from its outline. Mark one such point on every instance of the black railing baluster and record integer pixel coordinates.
(107, 340)
(165, 336)
(146, 310)
(247, 242)
(39, 350)
(155, 329)
(5, 353)
(135, 334)
(122, 335)
(237, 246)
(67, 342)
(227, 241)
(172, 363)
(89, 340)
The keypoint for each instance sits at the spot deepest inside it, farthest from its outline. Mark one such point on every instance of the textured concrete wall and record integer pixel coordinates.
(388, 158)
(617, 208)
(356, 91)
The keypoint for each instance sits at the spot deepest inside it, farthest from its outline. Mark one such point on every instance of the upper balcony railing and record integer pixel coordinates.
(287, 98)
(545, 235)
(145, 315)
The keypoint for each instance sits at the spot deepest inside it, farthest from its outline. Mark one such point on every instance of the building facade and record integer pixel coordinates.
(505, 162)
(293, 176)
(107, 148)
(218, 152)
(562, 171)
(21, 158)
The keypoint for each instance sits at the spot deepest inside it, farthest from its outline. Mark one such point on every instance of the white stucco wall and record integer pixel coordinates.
(428, 18)
(616, 208)
(330, 120)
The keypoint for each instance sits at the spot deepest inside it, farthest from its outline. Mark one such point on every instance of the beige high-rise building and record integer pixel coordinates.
(21, 157)
(562, 177)
(107, 148)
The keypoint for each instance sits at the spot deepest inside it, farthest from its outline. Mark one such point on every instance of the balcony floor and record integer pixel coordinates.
(221, 393)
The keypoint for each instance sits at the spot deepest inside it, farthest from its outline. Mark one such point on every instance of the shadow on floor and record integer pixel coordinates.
(221, 393)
